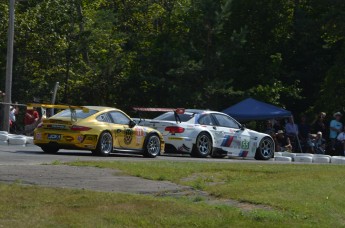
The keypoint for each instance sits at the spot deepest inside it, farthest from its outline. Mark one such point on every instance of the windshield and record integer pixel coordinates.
(79, 113)
(169, 116)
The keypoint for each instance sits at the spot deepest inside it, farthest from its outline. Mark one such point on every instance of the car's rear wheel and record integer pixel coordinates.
(203, 146)
(50, 149)
(105, 144)
(152, 146)
(265, 150)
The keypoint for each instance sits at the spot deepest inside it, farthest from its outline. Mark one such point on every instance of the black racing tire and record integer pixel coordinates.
(105, 144)
(203, 146)
(152, 146)
(217, 155)
(50, 149)
(265, 151)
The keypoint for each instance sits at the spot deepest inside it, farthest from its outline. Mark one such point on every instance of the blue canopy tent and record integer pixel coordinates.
(251, 109)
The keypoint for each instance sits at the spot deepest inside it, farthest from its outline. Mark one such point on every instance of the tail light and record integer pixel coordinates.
(79, 128)
(174, 129)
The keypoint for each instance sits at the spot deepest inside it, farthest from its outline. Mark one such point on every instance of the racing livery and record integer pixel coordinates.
(202, 132)
(102, 130)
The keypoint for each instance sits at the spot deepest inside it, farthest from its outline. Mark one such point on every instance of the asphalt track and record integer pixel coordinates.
(30, 166)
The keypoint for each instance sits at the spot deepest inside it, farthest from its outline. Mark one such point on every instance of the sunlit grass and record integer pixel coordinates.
(309, 193)
(32, 206)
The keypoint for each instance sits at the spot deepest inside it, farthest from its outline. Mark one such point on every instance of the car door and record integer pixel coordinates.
(127, 137)
(236, 140)
(208, 122)
(123, 134)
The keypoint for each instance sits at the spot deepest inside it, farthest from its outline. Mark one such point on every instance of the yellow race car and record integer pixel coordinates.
(102, 130)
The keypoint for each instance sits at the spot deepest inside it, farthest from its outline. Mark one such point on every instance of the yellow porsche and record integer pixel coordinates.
(102, 130)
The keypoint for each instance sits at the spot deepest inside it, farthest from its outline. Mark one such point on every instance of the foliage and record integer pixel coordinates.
(192, 53)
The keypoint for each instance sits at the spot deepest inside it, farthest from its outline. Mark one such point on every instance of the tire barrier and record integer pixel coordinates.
(29, 140)
(17, 140)
(305, 154)
(3, 137)
(288, 154)
(278, 154)
(282, 158)
(321, 159)
(338, 160)
(304, 158)
(4, 143)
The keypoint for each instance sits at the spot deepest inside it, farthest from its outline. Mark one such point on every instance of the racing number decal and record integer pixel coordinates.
(128, 136)
(245, 144)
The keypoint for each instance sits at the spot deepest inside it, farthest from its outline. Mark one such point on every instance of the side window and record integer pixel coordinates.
(119, 118)
(206, 120)
(225, 121)
(103, 118)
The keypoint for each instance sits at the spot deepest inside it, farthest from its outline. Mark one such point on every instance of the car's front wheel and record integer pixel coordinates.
(105, 144)
(203, 146)
(265, 151)
(152, 146)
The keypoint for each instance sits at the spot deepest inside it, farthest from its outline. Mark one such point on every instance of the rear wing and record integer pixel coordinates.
(73, 108)
(176, 111)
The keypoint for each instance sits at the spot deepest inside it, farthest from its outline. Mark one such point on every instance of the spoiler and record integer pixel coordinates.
(58, 106)
(175, 110)
(72, 107)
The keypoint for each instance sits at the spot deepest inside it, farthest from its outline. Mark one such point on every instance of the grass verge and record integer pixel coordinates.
(310, 195)
(32, 206)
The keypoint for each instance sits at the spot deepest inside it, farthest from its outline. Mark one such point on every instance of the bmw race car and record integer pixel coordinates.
(102, 130)
(202, 133)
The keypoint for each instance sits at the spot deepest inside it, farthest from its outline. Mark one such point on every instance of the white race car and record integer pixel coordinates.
(201, 133)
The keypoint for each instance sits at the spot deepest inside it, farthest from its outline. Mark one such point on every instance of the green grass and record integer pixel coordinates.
(311, 195)
(33, 206)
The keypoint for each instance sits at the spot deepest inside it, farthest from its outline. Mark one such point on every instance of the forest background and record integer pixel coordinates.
(178, 53)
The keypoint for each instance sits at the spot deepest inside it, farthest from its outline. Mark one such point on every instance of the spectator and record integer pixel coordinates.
(291, 130)
(304, 131)
(269, 128)
(13, 113)
(317, 144)
(335, 128)
(319, 123)
(283, 142)
(31, 120)
(341, 141)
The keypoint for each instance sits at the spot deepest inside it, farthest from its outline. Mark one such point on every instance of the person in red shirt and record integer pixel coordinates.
(31, 120)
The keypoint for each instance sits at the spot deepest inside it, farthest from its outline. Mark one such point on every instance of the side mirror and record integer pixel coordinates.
(242, 126)
(131, 124)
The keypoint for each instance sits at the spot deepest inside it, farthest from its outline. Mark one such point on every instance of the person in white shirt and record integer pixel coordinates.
(341, 139)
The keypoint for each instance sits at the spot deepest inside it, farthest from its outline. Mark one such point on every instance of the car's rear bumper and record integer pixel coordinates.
(66, 139)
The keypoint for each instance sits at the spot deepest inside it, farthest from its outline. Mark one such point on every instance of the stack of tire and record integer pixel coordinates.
(308, 158)
(11, 139)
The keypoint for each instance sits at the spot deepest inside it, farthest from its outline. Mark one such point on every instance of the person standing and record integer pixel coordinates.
(335, 128)
(31, 120)
(341, 140)
(319, 123)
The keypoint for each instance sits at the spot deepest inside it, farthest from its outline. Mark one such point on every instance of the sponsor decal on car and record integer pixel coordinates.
(243, 153)
(128, 136)
(227, 141)
(175, 138)
(54, 137)
(38, 136)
